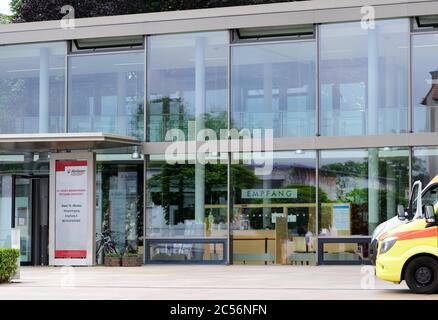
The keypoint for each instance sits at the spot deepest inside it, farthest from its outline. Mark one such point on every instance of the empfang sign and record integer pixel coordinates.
(269, 193)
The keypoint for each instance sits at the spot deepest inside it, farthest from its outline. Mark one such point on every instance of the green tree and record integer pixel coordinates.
(37, 10)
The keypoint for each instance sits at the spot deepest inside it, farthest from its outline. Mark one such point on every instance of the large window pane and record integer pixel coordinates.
(274, 88)
(364, 78)
(274, 208)
(187, 81)
(361, 188)
(424, 82)
(424, 164)
(32, 82)
(186, 200)
(106, 93)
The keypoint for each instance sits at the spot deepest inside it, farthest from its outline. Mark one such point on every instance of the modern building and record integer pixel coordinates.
(101, 141)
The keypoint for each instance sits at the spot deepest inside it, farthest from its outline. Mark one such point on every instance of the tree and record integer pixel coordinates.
(37, 10)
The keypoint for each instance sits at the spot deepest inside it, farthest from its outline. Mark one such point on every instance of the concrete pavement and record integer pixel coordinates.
(204, 282)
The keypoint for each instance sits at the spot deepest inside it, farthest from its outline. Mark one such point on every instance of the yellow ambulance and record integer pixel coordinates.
(410, 251)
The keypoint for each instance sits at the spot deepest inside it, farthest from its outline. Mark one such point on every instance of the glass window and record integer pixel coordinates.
(119, 205)
(274, 208)
(186, 200)
(106, 93)
(424, 82)
(361, 189)
(32, 85)
(424, 164)
(364, 78)
(274, 88)
(187, 81)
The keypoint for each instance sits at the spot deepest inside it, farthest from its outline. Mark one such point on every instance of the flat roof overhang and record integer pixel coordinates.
(251, 16)
(43, 142)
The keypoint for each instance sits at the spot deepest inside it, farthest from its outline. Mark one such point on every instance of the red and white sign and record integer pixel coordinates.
(71, 209)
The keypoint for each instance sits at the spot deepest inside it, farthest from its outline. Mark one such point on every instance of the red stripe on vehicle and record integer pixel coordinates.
(417, 234)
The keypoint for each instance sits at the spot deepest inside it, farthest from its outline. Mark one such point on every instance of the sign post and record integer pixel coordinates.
(72, 209)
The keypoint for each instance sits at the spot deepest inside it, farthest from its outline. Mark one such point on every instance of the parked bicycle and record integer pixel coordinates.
(104, 245)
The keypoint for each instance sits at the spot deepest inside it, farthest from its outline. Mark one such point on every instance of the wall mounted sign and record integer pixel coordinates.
(269, 193)
(341, 216)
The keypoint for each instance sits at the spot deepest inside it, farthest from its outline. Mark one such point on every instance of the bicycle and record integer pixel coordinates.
(104, 245)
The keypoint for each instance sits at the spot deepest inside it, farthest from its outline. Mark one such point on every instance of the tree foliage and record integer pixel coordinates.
(37, 10)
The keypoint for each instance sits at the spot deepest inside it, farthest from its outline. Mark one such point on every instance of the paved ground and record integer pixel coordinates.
(204, 282)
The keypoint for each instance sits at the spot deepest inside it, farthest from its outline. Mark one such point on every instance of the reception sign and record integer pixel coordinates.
(72, 234)
(71, 209)
(269, 193)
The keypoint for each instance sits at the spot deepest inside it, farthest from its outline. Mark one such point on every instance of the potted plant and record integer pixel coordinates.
(131, 259)
(112, 259)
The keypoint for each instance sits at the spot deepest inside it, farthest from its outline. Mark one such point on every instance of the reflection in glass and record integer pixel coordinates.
(194, 252)
(424, 164)
(364, 78)
(274, 88)
(361, 188)
(119, 204)
(32, 81)
(186, 200)
(274, 210)
(5, 211)
(424, 82)
(106, 93)
(23, 217)
(187, 81)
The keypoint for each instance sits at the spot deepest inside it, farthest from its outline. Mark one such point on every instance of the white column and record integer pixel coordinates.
(43, 115)
(372, 117)
(200, 112)
(269, 119)
(121, 123)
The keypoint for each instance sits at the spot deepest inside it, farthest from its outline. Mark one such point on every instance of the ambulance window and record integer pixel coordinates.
(431, 196)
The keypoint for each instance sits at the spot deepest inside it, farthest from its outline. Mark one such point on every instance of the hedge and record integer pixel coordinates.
(8, 263)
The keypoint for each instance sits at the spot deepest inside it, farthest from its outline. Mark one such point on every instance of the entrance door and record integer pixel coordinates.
(31, 217)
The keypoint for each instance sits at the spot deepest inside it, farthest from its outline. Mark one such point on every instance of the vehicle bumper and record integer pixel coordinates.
(389, 268)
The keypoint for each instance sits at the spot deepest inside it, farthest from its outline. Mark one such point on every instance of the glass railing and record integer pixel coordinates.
(283, 123)
(19, 125)
(123, 125)
(355, 122)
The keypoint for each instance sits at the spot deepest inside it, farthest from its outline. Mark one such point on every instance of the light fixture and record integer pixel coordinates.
(386, 149)
(299, 151)
(135, 155)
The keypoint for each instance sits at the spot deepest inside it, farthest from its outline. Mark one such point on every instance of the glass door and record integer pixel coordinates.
(23, 216)
(5, 211)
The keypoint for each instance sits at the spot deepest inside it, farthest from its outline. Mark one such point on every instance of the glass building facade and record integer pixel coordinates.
(344, 85)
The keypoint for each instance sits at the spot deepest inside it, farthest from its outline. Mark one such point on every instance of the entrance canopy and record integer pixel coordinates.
(43, 142)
